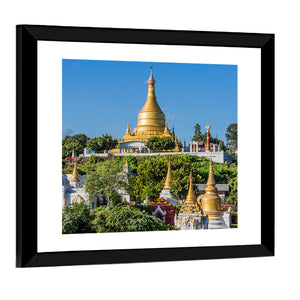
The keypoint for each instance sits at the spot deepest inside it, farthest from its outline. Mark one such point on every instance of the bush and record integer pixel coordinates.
(124, 218)
(76, 219)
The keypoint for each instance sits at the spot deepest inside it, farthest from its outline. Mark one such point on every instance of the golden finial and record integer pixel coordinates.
(207, 127)
(128, 130)
(151, 78)
(169, 178)
(75, 177)
(166, 131)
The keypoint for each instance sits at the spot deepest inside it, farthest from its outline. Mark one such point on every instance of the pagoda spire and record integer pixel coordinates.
(169, 178)
(211, 202)
(166, 131)
(190, 205)
(191, 196)
(151, 80)
(128, 130)
(151, 104)
(75, 177)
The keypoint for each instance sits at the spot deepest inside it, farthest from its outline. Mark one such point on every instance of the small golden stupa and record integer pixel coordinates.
(169, 178)
(190, 205)
(75, 176)
(211, 202)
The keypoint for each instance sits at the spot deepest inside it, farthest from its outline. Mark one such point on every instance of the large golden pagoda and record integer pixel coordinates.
(151, 121)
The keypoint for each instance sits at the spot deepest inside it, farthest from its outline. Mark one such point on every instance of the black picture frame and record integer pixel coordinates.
(27, 153)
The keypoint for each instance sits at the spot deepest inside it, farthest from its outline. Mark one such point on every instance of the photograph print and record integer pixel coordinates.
(148, 146)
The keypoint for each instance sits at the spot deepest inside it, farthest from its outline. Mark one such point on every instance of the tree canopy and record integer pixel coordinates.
(124, 218)
(104, 142)
(76, 142)
(231, 136)
(156, 143)
(104, 178)
(197, 134)
(76, 219)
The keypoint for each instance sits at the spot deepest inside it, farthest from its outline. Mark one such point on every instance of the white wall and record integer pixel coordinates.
(255, 278)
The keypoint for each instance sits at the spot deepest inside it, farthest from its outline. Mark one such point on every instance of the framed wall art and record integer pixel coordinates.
(138, 145)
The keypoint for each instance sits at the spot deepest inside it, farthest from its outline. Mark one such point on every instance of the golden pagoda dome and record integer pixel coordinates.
(75, 177)
(169, 178)
(211, 202)
(151, 119)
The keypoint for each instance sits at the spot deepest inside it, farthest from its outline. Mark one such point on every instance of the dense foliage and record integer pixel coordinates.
(76, 219)
(156, 143)
(79, 141)
(104, 178)
(104, 142)
(122, 218)
(76, 142)
(231, 136)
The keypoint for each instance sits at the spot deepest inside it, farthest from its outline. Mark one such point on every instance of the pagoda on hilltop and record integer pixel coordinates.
(151, 122)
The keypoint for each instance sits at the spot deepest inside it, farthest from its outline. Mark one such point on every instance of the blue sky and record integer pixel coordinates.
(101, 97)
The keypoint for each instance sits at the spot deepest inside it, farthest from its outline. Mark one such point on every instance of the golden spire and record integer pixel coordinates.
(190, 205)
(191, 196)
(128, 130)
(166, 131)
(75, 177)
(169, 177)
(211, 183)
(151, 78)
(151, 118)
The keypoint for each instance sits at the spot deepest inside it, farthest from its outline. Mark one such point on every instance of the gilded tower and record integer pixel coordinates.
(211, 202)
(165, 193)
(151, 120)
(190, 215)
(75, 177)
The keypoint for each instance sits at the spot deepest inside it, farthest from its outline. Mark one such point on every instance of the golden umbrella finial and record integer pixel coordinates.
(151, 78)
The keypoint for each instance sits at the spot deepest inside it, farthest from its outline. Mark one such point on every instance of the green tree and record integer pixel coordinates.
(104, 142)
(76, 142)
(76, 219)
(124, 218)
(106, 180)
(156, 143)
(231, 136)
(197, 134)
